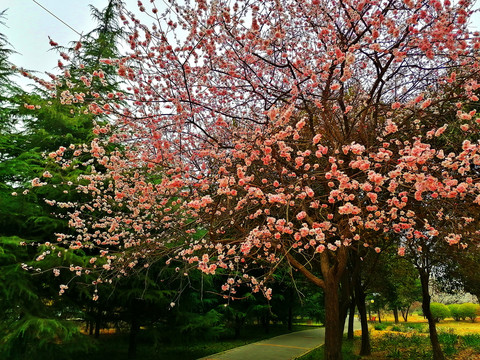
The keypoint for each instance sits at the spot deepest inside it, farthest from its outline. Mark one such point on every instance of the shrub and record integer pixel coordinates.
(397, 328)
(469, 310)
(380, 326)
(455, 312)
(439, 311)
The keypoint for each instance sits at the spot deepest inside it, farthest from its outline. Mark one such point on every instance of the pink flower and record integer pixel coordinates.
(396, 105)
(335, 86)
(426, 104)
(301, 215)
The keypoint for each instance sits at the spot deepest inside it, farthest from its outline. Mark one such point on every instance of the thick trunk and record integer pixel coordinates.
(351, 318)
(333, 342)
(436, 349)
(332, 267)
(365, 349)
(395, 314)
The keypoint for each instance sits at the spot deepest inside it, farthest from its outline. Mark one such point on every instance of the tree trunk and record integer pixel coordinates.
(437, 350)
(333, 342)
(290, 310)
(365, 349)
(239, 324)
(351, 318)
(379, 315)
(98, 322)
(132, 341)
(266, 322)
(405, 313)
(395, 314)
(332, 267)
(134, 328)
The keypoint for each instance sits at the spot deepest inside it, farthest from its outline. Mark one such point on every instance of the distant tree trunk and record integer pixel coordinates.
(98, 322)
(405, 313)
(238, 325)
(366, 348)
(134, 328)
(266, 323)
(437, 350)
(395, 314)
(378, 313)
(89, 318)
(351, 319)
(290, 310)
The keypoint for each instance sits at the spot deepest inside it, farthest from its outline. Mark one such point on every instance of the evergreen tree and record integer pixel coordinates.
(34, 320)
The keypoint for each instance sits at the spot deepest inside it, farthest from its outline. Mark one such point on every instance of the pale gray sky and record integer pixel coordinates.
(28, 27)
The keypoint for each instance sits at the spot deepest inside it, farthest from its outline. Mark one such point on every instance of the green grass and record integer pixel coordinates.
(400, 346)
(115, 346)
(382, 326)
(417, 347)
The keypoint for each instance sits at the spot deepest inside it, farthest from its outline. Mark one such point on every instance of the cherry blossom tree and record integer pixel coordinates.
(264, 133)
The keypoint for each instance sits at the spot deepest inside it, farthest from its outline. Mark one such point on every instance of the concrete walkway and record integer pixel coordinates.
(283, 347)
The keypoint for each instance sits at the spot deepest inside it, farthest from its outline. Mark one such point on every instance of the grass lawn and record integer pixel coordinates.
(460, 340)
(115, 346)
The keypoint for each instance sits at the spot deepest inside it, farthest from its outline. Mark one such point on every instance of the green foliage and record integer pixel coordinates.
(35, 323)
(42, 338)
(398, 328)
(31, 320)
(439, 311)
(455, 312)
(207, 326)
(313, 306)
(381, 326)
(469, 311)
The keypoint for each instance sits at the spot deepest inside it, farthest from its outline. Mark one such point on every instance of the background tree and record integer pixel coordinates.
(34, 320)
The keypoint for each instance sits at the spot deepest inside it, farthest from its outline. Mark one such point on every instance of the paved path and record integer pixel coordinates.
(283, 347)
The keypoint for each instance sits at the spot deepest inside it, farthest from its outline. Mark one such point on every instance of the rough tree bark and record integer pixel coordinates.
(332, 268)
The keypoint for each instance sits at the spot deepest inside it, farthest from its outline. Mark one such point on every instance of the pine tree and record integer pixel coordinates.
(34, 320)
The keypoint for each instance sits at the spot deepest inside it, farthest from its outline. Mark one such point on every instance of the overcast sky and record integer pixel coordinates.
(27, 27)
